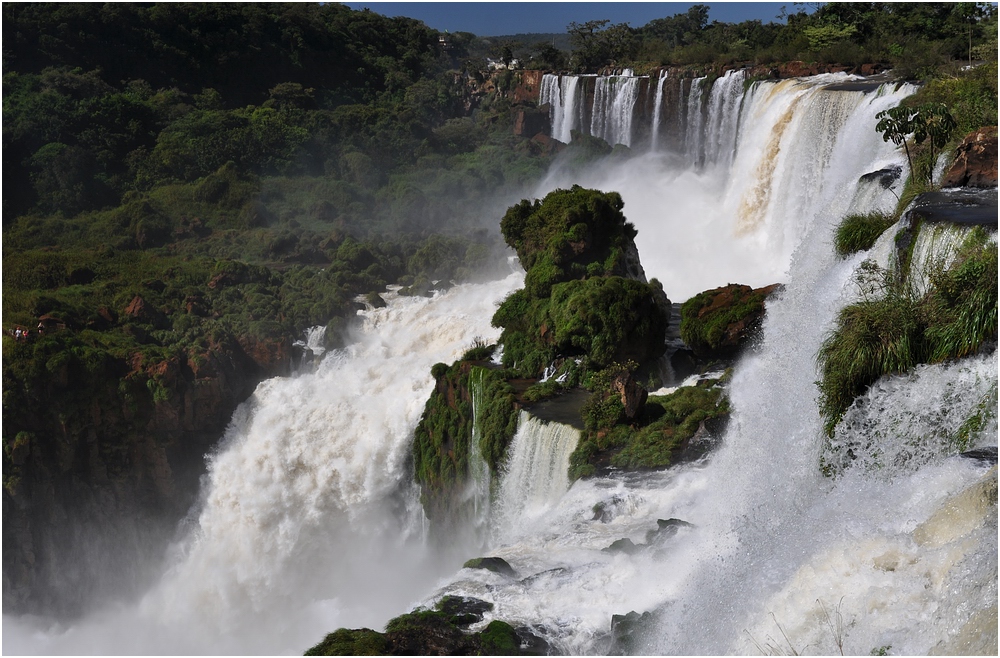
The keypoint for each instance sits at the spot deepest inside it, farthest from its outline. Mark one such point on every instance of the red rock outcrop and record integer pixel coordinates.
(975, 161)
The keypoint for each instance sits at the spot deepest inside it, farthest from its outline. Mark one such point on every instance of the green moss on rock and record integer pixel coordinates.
(442, 440)
(717, 323)
(650, 440)
(584, 294)
(348, 642)
(499, 639)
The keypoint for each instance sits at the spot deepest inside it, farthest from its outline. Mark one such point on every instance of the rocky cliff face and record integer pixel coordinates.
(975, 161)
(96, 483)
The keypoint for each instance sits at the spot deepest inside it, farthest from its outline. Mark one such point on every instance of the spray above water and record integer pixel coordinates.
(309, 518)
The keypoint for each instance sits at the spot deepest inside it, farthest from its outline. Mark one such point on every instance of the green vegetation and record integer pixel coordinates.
(917, 40)
(651, 439)
(347, 642)
(422, 632)
(717, 321)
(859, 232)
(890, 331)
(175, 202)
(683, 411)
(931, 122)
(441, 448)
(576, 302)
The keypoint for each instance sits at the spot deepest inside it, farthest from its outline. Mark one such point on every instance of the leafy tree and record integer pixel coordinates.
(931, 121)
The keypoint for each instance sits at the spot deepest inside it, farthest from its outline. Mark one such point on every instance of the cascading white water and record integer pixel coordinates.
(614, 105)
(901, 558)
(797, 146)
(694, 122)
(565, 113)
(306, 517)
(935, 247)
(479, 470)
(536, 474)
(723, 114)
(658, 109)
(309, 519)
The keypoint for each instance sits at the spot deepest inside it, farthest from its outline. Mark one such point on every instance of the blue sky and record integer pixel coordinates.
(495, 18)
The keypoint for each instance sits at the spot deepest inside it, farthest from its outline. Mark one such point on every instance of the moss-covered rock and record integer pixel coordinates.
(585, 305)
(351, 642)
(717, 323)
(442, 445)
(499, 639)
(494, 564)
(585, 293)
(423, 633)
(655, 437)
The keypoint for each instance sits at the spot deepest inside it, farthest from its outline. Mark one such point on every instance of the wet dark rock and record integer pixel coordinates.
(665, 529)
(963, 206)
(884, 177)
(627, 633)
(533, 644)
(464, 610)
(494, 564)
(633, 395)
(986, 455)
(427, 633)
(626, 546)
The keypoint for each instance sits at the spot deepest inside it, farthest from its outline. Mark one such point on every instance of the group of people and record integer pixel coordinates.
(22, 335)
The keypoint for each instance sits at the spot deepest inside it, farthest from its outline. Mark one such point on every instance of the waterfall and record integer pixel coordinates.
(309, 517)
(479, 470)
(896, 554)
(309, 520)
(738, 219)
(536, 474)
(614, 104)
(936, 247)
(657, 109)
(693, 124)
(560, 92)
(723, 111)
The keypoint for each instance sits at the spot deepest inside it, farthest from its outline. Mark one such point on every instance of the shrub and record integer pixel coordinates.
(859, 232)
(872, 339)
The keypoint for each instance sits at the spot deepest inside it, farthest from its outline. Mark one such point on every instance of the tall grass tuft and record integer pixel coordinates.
(873, 338)
(893, 331)
(859, 232)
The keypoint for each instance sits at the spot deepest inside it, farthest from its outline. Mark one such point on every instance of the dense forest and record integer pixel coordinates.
(191, 182)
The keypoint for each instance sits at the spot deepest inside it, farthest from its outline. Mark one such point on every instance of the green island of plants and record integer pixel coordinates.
(892, 329)
(650, 439)
(422, 632)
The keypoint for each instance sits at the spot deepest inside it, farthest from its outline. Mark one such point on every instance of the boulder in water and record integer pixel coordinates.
(428, 633)
(351, 642)
(986, 455)
(494, 564)
(717, 323)
(626, 633)
(464, 610)
(665, 528)
(626, 546)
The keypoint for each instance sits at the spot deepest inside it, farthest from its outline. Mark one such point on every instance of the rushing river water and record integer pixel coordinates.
(309, 520)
